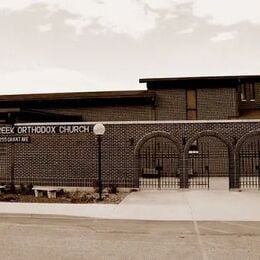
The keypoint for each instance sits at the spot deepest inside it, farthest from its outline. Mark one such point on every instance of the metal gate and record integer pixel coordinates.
(208, 164)
(249, 161)
(198, 175)
(159, 164)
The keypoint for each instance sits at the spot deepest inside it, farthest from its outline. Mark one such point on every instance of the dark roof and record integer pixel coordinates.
(77, 99)
(198, 82)
(76, 95)
(202, 78)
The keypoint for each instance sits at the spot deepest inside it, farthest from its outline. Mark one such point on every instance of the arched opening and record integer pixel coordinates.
(158, 159)
(248, 163)
(208, 163)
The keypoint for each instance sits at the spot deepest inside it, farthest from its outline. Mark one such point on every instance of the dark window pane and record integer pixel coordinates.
(243, 92)
(252, 91)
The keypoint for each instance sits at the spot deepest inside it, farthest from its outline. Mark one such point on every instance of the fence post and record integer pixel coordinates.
(207, 172)
(184, 181)
(258, 175)
(159, 169)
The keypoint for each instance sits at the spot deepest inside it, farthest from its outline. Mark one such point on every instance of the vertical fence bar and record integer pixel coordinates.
(201, 180)
(258, 158)
(241, 168)
(208, 167)
(207, 172)
(252, 156)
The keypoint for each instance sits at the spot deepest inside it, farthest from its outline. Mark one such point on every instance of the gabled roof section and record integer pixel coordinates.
(203, 81)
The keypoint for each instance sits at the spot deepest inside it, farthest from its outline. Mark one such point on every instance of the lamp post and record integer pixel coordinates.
(99, 130)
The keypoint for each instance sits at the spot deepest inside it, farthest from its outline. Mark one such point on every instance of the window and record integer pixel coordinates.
(191, 104)
(247, 91)
(243, 92)
(252, 91)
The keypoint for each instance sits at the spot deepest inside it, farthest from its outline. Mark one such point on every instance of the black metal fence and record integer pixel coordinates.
(206, 164)
(198, 170)
(159, 164)
(249, 163)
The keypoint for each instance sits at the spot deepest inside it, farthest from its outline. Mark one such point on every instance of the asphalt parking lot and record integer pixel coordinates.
(49, 237)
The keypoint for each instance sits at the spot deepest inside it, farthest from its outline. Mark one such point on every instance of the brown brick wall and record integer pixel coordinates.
(171, 104)
(5, 162)
(212, 103)
(71, 160)
(60, 159)
(110, 113)
(217, 103)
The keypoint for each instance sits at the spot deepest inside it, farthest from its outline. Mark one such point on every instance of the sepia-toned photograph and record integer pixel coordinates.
(129, 129)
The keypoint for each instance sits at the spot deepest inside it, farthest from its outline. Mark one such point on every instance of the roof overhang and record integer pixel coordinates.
(203, 81)
(202, 78)
(24, 115)
(79, 99)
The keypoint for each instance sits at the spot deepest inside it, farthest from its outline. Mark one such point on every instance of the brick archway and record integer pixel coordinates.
(244, 138)
(208, 133)
(157, 158)
(212, 158)
(156, 134)
(247, 158)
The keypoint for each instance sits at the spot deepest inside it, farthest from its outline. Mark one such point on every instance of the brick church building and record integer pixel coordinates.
(179, 133)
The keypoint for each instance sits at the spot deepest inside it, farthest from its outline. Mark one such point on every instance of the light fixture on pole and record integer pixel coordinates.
(99, 130)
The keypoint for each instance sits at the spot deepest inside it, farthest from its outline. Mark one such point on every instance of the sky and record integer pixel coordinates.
(105, 45)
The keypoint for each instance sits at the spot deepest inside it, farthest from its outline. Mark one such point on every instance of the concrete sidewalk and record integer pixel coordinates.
(157, 205)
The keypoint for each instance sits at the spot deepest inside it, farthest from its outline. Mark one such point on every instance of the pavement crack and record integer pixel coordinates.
(196, 228)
